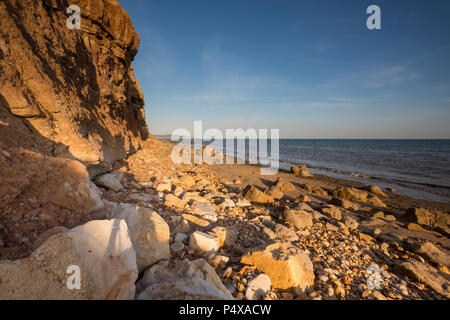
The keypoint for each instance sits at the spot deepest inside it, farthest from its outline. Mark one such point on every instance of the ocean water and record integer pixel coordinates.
(416, 168)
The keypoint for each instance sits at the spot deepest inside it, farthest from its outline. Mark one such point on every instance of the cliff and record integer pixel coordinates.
(74, 90)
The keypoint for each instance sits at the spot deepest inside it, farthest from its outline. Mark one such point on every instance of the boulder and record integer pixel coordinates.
(203, 243)
(226, 237)
(164, 187)
(350, 222)
(285, 233)
(259, 285)
(101, 250)
(186, 181)
(298, 218)
(288, 267)
(425, 217)
(343, 203)
(431, 253)
(181, 269)
(283, 186)
(254, 195)
(377, 191)
(183, 289)
(422, 272)
(109, 181)
(274, 193)
(301, 171)
(149, 234)
(332, 212)
(350, 193)
(204, 210)
(174, 201)
(227, 203)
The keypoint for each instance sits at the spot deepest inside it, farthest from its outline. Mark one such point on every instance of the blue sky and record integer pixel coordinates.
(309, 68)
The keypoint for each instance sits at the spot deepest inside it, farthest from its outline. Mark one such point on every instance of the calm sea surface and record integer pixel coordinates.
(417, 168)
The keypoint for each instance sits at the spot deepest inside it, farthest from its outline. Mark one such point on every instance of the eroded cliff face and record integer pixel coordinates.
(66, 96)
(74, 90)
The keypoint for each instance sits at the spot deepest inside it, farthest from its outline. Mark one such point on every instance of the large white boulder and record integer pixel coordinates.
(100, 250)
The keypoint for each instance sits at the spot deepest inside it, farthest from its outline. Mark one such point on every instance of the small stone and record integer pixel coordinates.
(177, 247)
(260, 285)
(203, 243)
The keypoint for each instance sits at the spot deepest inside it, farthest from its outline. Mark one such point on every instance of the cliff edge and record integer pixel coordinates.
(74, 90)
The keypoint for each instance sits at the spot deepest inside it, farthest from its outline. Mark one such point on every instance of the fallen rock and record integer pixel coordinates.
(377, 191)
(288, 267)
(164, 187)
(259, 286)
(350, 222)
(253, 194)
(196, 222)
(431, 253)
(183, 289)
(226, 204)
(226, 237)
(432, 277)
(301, 171)
(332, 212)
(350, 193)
(174, 201)
(274, 193)
(204, 210)
(187, 181)
(181, 269)
(427, 218)
(299, 218)
(203, 243)
(149, 234)
(343, 203)
(109, 181)
(103, 252)
(285, 233)
(285, 187)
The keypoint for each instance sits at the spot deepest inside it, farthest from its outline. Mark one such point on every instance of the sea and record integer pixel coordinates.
(415, 168)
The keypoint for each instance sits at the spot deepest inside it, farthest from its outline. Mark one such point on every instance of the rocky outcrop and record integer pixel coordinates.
(73, 90)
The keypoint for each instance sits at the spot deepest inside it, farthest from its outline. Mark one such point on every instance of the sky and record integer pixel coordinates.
(309, 68)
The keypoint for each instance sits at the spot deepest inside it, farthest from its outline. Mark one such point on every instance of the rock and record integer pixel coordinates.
(430, 252)
(226, 237)
(253, 194)
(285, 187)
(203, 243)
(243, 203)
(204, 210)
(260, 285)
(227, 203)
(164, 187)
(47, 235)
(149, 234)
(101, 249)
(109, 181)
(299, 218)
(390, 217)
(174, 201)
(351, 223)
(177, 246)
(142, 197)
(176, 270)
(274, 193)
(331, 227)
(183, 289)
(377, 191)
(285, 233)
(378, 215)
(345, 204)
(350, 193)
(377, 295)
(315, 190)
(332, 212)
(304, 198)
(301, 172)
(187, 181)
(180, 237)
(196, 222)
(427, 218)
(432, 277)
(288, 267)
